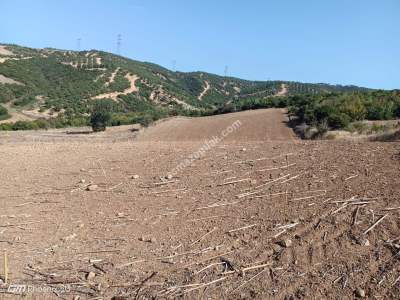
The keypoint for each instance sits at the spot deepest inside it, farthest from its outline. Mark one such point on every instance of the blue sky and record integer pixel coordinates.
(332, 41)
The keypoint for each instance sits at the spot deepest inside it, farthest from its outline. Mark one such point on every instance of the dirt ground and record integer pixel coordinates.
(267, 218)
(255, 125)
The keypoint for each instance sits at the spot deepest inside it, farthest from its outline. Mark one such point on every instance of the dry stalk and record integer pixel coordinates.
(256, 191)
(5, 267)
(277, 168)
(206, 284)
(308, 197)
(246, 282)
(391, 208)
(234, 181)
(207, 259)
(207, 267)
(206, 218)
(288, 226)
(242, 228)
(202, 237)
(168, 191)
(130, 263)
(375, 224)
(255, 267)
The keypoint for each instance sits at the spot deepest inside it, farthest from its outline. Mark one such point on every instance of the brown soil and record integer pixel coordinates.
(257, 125)
(192, 236)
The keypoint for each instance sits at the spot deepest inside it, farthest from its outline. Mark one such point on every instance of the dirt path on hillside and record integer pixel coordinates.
(15, 114)
(255, 125)
(4, 79)
(112, 77)
(4, 59)
(206, 89)
(283, 91)
(4, 51)
(114, 96)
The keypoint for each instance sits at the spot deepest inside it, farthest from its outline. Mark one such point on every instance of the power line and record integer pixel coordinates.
(226, 71)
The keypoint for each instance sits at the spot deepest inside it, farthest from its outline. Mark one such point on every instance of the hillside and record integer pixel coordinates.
(46, 83)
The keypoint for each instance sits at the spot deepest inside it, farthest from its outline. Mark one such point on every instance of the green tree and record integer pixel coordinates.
(353, 106)
(3, 111)
(101, 115)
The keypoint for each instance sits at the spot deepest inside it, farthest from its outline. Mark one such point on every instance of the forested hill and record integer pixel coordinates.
(46, 83)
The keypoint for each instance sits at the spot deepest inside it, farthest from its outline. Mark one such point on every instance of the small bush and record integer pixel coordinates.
(24, 125)
(3, 111)
(24, 101)
(338, 120)
(322, 129)
(6, 127)
(145, 120)
(359, 127)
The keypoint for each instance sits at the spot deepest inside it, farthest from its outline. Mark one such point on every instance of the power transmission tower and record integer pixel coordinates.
(226, 71)
(78, 44)
(174, 65)
(119, 40)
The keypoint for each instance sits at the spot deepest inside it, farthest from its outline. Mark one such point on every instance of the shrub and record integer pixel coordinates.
(322, 128)
(24, 125)
(6, 127)
(25, 100)
(338, 120)
(101, 115)
(42, 124)
(3, 113)
(359, 127)
(145, 120)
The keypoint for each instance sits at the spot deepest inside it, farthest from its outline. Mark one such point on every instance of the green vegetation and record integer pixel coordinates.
(66, 81)
(59, 122)
(101, 115)
(339, 110)
(3, 113)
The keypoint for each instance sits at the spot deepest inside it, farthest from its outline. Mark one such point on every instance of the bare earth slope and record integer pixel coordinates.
(250, 219)
(254, 125)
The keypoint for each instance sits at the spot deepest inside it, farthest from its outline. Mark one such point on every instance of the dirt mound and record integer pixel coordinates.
(255, 125)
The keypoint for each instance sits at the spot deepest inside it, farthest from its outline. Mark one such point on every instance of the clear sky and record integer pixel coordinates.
(332, 41)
